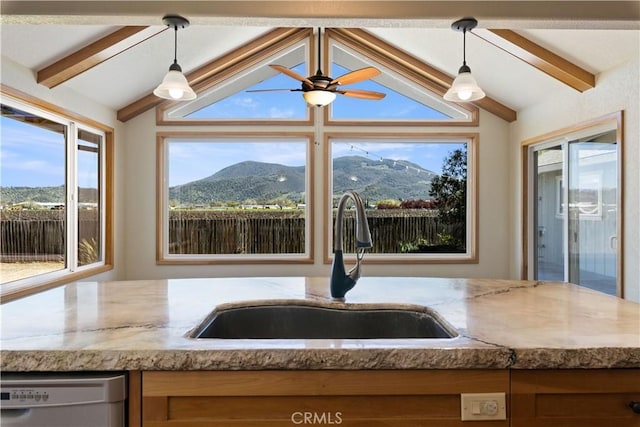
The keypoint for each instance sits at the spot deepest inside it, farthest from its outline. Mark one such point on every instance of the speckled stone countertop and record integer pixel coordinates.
(144, 325)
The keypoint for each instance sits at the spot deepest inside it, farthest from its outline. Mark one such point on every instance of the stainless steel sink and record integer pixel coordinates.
(302, 319)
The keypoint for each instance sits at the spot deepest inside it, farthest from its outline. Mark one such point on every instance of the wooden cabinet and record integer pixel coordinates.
(535, 398)
(574, 398)
(289, 398)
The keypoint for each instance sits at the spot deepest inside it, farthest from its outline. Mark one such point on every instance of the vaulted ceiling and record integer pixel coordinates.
(116, 52)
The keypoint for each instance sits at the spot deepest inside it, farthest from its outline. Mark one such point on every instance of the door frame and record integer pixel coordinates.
(613, 121)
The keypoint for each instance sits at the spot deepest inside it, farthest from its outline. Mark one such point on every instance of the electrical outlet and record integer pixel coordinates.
(483, 406)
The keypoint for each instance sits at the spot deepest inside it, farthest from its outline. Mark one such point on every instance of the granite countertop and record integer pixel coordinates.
(144, 325)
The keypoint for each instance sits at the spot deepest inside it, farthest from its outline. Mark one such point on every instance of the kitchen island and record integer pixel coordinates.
(559, 354)
(144, 325)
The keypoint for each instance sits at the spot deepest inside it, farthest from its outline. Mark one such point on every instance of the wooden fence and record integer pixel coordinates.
(40, 235)
(236, 235)
(32, 240)
(228, 233)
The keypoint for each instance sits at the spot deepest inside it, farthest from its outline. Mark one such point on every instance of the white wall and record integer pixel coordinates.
(140, 213)
(23, 79)
(617, 89)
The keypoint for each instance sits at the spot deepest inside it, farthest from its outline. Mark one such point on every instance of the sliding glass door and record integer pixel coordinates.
(575, 210)
(593, 209)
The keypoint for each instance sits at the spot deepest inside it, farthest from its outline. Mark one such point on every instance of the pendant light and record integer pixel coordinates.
(464, 88)
(174, 86)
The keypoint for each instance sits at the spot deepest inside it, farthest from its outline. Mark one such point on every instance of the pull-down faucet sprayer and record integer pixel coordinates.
(341, 281)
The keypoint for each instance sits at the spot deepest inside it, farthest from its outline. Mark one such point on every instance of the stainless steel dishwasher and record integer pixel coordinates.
(63, 399)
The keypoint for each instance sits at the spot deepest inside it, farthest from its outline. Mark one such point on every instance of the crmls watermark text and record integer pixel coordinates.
(327, 418)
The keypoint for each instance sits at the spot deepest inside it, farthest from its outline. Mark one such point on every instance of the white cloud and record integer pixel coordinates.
(277, 113)
(245, 102)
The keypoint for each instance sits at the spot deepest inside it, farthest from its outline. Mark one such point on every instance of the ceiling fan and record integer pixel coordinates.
(321, 90)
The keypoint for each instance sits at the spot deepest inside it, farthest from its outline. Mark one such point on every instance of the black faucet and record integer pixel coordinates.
(341, 281)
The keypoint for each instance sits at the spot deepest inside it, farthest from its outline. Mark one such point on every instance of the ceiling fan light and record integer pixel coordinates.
(175, 87)
(319, 98)
(464, 89)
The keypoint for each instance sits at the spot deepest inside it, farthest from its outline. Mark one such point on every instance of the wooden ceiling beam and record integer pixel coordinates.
(94, 54)
(538, 57)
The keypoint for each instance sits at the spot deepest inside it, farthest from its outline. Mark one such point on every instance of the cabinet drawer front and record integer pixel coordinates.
(318, 410)
(584, 398)
(286, 398)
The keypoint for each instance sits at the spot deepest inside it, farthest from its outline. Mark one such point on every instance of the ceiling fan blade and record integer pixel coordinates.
(363, 94)
(274, 90)
(356, 76)
(292, 74)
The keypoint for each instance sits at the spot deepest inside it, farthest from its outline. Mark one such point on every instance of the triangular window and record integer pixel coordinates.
(255, 105)
(394, 106)
(406, 101)
(233, 99)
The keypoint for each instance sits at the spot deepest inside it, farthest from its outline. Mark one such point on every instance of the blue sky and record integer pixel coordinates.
(286, 104)
(30, 156)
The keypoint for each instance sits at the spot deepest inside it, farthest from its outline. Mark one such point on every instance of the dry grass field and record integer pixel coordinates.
(10, 271)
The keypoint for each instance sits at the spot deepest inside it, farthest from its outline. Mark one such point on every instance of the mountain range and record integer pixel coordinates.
(262, 182)
(54, 194)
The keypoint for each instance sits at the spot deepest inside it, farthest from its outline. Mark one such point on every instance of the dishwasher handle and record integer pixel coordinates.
(12, 414)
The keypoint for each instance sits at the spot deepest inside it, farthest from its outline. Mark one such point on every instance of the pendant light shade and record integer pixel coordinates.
(464, 88)
(174, 86)
(319, 98)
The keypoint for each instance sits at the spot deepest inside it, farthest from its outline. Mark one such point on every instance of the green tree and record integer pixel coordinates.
(449, 190)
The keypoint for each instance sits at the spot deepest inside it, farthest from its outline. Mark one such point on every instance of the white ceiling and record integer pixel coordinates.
(133, 74)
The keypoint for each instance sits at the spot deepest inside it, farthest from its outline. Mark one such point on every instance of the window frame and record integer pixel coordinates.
(469, 257)
(162, 224)
(384, 55)
(72, 271)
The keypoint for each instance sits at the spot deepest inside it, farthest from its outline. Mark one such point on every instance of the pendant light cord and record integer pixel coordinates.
(175, 66)
(175, 45)
(319, 71)
(464, 46)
